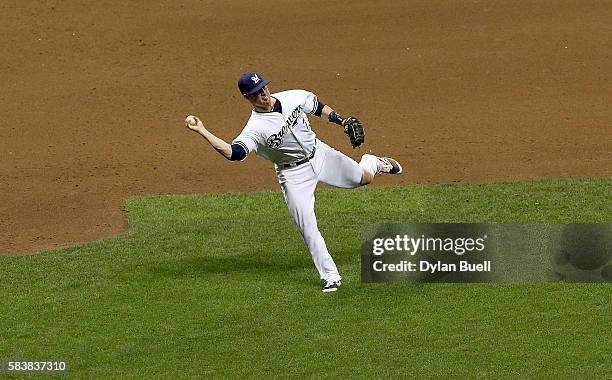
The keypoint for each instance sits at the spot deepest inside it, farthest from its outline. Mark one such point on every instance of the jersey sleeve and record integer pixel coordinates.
(248, 139)
(311, 103)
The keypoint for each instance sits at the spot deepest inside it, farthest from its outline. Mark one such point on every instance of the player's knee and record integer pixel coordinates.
(308, 226)
(311, 230)
(312, 236)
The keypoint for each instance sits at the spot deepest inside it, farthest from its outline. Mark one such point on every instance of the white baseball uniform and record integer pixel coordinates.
(284, 137)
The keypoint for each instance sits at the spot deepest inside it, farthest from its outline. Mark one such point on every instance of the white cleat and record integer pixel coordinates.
(331, 286)
(390, 166)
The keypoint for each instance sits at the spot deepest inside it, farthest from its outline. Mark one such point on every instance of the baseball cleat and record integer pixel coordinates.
(331, 286)
(390, 166)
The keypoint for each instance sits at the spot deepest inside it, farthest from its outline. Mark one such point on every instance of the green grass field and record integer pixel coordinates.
(222, 286)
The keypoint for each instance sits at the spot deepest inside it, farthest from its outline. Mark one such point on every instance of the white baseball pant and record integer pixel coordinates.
(299, 184)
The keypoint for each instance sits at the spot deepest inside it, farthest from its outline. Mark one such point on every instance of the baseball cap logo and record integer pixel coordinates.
(255, 79)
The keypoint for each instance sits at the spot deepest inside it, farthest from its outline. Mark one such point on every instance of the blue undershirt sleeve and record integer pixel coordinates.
(238, 152)
(319, 109)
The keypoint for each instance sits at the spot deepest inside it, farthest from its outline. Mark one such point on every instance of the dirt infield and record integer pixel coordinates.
(95, 93)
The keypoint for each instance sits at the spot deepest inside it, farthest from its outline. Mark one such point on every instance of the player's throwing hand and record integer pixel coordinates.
(194, 123)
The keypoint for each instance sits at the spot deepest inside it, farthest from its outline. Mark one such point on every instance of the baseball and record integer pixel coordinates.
(191, 120)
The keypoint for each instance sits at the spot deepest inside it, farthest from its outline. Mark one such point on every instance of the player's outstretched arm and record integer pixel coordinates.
(328, 114)
(352, 126)
(195, 124)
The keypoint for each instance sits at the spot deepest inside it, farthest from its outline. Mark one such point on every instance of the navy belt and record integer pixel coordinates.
(300, 162)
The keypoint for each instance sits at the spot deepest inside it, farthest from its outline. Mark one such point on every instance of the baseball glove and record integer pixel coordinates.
(354, 129)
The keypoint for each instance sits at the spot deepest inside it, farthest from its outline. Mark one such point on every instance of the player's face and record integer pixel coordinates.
(261, 101)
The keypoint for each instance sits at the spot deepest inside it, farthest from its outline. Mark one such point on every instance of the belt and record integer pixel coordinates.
(300, 162)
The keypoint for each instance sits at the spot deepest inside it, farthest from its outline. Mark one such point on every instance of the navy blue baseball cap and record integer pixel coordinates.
(251, 82)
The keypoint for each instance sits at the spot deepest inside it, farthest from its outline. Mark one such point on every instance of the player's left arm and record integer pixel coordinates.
(328, 114)
(322, 110)
(351, 125)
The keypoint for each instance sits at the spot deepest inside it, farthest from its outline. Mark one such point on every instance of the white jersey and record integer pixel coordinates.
(272, 135)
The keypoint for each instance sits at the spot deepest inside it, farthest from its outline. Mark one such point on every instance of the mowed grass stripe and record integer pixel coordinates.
(222, 286)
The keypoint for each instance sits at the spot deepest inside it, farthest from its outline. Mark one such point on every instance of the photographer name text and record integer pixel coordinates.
(432, 267)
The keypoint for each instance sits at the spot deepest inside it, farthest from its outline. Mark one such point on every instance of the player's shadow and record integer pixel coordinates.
(206, 265)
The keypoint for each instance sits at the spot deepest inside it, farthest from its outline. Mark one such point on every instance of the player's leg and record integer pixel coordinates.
(337, 169)
(300, 200)
(369, 169)
(378, 165)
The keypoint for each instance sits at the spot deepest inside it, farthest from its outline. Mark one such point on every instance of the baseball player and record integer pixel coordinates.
(279, 130)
